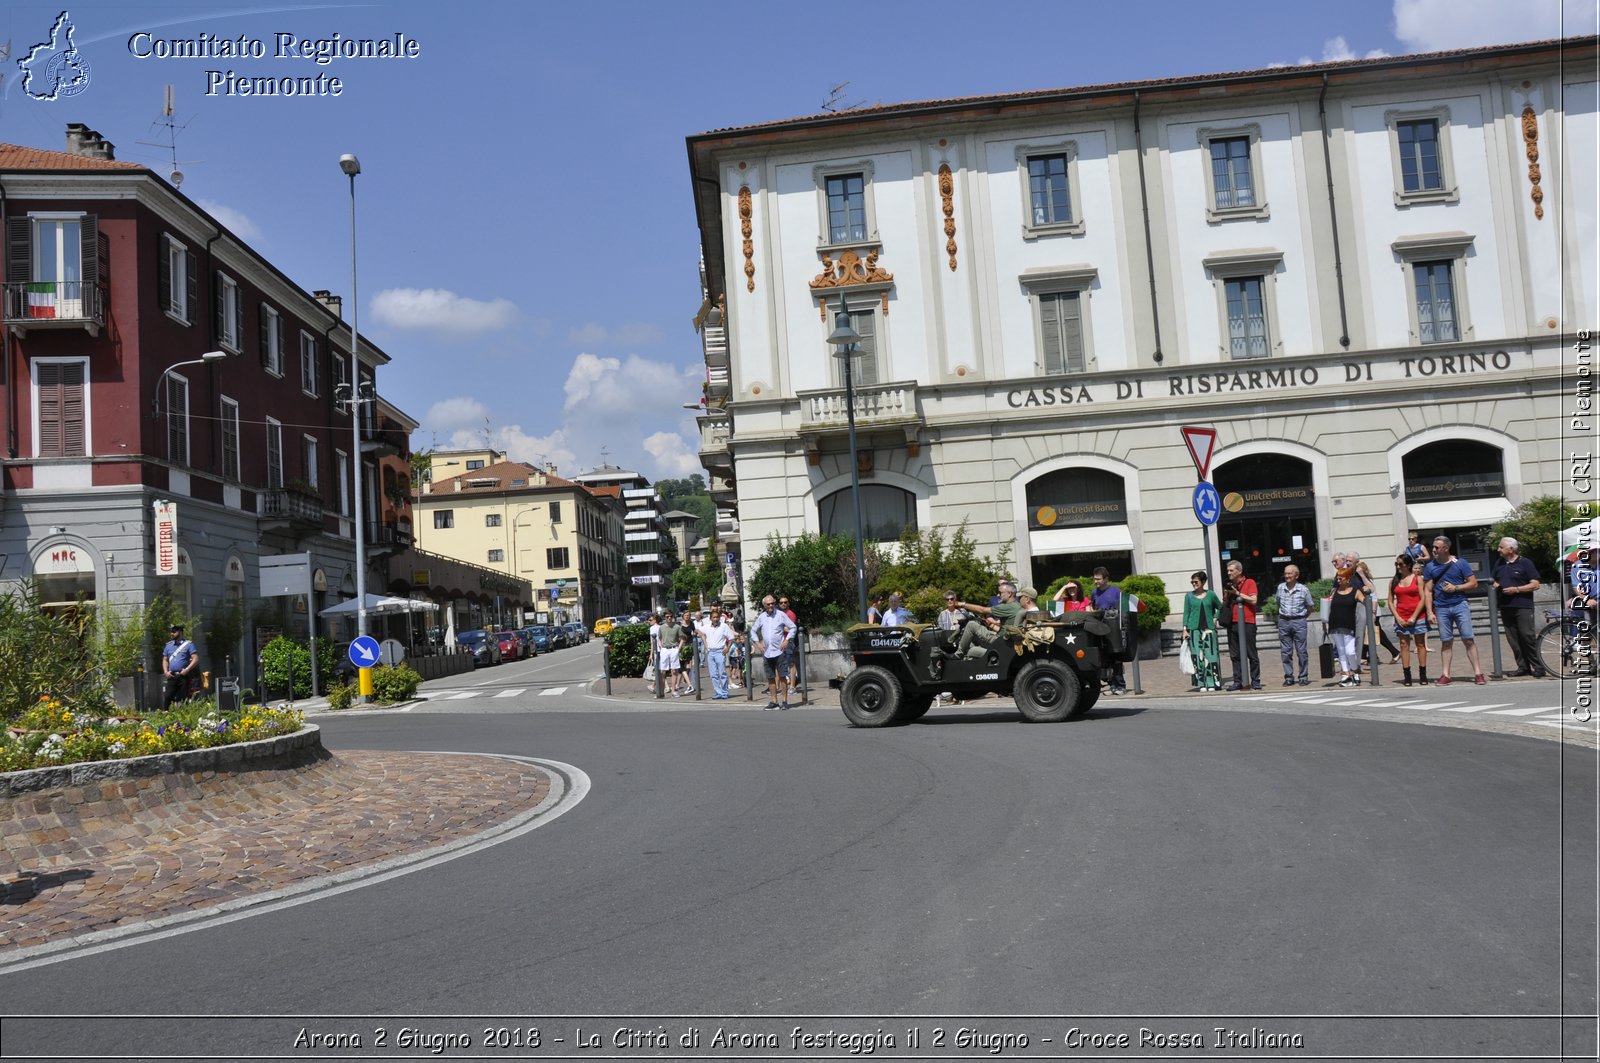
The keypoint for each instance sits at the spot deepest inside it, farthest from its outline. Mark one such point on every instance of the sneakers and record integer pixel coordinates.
(770, 705)
(784, 707)
(1480, 679)
(1118, 690)
(1305, 682)
(1288, 682)
(1442, 681)
(1231, 687)
(1348, 681)
(1255, 686)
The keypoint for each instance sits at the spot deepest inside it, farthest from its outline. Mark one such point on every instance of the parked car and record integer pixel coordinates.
(484, 649)
(577, 634)
(540, 634)
(511, 647)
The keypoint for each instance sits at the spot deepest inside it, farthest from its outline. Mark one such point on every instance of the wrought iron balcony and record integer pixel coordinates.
(55, 304)
(293, 507)
(390, 536)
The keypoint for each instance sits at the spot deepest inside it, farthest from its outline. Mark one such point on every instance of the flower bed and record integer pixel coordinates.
(50, 735)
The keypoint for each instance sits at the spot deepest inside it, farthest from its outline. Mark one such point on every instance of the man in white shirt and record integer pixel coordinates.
(897, 613)
(770, 635)
(717, 634)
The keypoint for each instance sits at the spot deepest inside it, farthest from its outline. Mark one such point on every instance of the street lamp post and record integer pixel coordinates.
(515, 567)
(161, 381)
(351, 166)
(844, 339)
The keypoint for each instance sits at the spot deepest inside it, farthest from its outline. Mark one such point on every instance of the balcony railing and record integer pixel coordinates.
(295, 507)
(54, 304)
(716, 439)
(391, 535)
(876, 404)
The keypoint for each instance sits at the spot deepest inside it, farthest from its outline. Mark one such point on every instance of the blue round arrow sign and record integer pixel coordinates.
(364, 652)
(1207, 503)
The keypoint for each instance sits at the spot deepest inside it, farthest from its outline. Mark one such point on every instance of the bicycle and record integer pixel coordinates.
(1567, 644)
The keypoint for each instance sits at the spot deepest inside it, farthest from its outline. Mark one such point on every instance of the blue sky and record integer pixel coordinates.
(527, 250)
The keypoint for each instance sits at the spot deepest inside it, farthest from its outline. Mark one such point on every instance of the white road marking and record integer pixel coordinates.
(552, 690)
(460, 695)
(1526, 712)
(1478, 708)
(513, 692)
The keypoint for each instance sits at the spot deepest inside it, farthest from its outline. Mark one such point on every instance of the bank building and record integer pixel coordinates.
(1373, 279)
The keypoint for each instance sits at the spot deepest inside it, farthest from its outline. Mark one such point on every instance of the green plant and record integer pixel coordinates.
(279, 659)
(629, 647)
(810, 570)
(394, 684)
(1151, 590)
(341, 696)
(49, 652)
(926, 566)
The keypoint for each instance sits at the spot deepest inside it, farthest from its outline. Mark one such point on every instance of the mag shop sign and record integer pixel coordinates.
(1265, 379)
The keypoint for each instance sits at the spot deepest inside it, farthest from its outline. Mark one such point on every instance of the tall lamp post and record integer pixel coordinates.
(844, 340)
(352, 166)
(161, 381)
(515, 567)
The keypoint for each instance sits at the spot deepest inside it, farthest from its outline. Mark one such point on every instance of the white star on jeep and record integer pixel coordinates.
(1070, 639)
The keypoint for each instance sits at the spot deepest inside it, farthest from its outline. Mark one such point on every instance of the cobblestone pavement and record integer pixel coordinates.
(127, 851)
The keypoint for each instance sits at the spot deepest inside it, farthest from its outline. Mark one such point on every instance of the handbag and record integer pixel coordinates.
(1185, 659)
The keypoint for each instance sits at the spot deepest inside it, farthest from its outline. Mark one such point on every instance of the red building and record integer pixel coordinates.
(150, 355)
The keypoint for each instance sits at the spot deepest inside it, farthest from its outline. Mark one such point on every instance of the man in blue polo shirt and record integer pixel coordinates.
(178, 659)
(1450, 578)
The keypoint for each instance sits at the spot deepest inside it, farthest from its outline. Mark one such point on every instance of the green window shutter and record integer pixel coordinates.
(193, 289)
(164, 273)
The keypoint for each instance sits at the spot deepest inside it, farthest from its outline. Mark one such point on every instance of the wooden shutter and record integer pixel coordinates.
(867, 363)
(19, 264)
(1050, 333)
(189, 306)
(266, 335)
(102, 272)
(164, 273)
(88, 260)
(219, 311)
(62, 427)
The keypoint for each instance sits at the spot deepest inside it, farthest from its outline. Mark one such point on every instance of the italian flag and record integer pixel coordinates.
(42, 299)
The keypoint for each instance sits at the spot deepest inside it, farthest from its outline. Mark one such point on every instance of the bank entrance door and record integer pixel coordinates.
(1269, 518)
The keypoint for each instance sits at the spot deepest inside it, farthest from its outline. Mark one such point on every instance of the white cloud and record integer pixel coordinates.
(239, 224)
(598, 385)
(674, 455)
(1337, 49)
(594, 334)
(1437, 25)
(436, 309)
(464, 423)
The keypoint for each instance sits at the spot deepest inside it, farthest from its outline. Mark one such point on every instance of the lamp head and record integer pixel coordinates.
(350, 165)
(843, 335)
(213, 356)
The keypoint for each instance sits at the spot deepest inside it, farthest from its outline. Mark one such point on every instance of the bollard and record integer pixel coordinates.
(800, 666)
(605, 663)
(696, 659)
(1494, 632)
(1122, 626)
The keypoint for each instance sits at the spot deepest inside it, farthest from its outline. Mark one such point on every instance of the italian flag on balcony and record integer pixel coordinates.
(42, 299)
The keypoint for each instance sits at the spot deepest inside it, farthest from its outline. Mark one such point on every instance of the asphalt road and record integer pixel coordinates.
(1182, 870)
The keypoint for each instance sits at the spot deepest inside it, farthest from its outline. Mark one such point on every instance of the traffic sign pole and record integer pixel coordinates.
(1202, 444)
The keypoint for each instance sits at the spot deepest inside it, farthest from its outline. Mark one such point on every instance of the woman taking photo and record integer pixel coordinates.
(1200, 610)
(1408, 601)
(1071, 598)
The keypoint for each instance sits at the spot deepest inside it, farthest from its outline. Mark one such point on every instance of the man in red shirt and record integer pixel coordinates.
(1240, 594)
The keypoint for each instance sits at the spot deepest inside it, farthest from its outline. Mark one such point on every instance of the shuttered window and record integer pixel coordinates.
(274, 453)
(177, 419)
(864, 366)
(310, 382)
(230, 439)
(60, 396)
(1061, 332)
(176, 279)
(271, 341)
(230, 313)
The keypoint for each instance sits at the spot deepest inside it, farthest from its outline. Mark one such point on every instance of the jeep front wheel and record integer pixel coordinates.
(1046, 691)
(869, 696)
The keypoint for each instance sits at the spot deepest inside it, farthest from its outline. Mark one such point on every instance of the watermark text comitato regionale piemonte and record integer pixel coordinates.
(286, 47)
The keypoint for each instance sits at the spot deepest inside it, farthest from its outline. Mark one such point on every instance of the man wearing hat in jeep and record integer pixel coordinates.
(1029, 598)
(178, 659)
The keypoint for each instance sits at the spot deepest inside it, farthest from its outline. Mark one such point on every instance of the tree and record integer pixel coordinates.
(806, 570)
(927, 566)
(1536, 525)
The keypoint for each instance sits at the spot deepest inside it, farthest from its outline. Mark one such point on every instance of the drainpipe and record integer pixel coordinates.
(212, 421)
(5, 337)
(1149, 247)
(1333, 215)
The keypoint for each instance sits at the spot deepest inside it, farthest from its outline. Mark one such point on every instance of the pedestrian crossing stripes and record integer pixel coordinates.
(1551, 715)
(509, 692)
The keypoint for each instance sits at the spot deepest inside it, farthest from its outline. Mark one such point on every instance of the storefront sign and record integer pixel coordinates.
(1076, 514)
(62, 560)
(1468, 485)
(166, 538)
(1269, 500)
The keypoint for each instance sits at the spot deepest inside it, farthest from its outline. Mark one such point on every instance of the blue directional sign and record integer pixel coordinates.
(1207, 503)
(364, 652)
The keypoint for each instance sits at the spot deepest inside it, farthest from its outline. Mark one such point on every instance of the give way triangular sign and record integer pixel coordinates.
(1202, 442)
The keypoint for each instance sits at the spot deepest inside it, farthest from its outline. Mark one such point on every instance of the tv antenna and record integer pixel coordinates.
(168, 122)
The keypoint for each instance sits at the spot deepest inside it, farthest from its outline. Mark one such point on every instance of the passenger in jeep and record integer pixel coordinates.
(987, 628)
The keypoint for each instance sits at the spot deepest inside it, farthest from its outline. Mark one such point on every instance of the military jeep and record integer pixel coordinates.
(1052, 668)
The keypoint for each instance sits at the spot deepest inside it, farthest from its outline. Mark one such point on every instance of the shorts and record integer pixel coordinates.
(667, 659)
(1455, 621)
(777, 667)
(1419, 628)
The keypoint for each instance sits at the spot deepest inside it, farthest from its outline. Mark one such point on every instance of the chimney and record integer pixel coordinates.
(331, 301)
(549, 468)
(81, 140)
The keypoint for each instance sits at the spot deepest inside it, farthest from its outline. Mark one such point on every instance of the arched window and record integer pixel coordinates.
(1452, 469)
(885, 513)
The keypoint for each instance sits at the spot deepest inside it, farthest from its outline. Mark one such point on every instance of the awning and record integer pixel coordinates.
(1109, 537)
(1458, 513)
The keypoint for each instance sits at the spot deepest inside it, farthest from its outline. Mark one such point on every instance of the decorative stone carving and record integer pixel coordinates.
(947, 191)
(745, 210)
(1530, 137)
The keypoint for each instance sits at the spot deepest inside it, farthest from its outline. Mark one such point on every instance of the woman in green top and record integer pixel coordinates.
(1200, 610)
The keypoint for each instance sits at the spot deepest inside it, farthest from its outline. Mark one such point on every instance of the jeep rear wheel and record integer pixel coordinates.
(1046, 691)
(870, 696)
